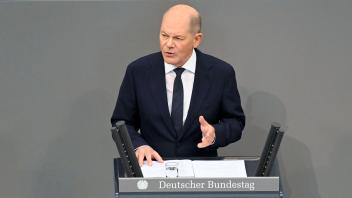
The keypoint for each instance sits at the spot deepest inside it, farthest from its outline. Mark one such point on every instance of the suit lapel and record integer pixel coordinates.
(200, 91)
(158, 91)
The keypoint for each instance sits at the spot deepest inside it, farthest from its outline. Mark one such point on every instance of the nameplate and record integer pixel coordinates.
(255, 184)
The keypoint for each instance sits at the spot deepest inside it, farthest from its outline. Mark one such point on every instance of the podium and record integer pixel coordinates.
(251, 186)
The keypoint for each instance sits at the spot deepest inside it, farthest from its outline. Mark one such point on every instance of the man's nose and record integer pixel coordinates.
(170, 42)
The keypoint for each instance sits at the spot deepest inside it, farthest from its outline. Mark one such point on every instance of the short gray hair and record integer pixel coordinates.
(196, 24)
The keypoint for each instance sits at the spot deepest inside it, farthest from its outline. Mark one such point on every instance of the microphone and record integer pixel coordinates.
(125, 148)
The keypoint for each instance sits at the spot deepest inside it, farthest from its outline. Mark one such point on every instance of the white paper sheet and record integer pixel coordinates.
(219, 168)
(156, 170)
(198, 168)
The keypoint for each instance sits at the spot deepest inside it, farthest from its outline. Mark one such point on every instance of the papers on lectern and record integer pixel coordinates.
(196, 169)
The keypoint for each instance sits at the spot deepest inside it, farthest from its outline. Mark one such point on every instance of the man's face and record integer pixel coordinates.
(177, 40)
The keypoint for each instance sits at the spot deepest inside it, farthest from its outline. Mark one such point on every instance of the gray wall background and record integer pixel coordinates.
(61, 64)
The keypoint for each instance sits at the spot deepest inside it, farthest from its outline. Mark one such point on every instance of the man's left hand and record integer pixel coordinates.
(208, 133)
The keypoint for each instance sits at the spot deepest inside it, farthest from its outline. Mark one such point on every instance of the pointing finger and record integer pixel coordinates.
(202, 120)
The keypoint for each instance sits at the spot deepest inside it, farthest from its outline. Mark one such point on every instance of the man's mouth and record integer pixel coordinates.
(169, 54)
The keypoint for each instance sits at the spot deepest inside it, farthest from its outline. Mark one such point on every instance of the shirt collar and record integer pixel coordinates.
(190, 65)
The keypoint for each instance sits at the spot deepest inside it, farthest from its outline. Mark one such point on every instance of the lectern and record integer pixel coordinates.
(251, 186)
(262, 181)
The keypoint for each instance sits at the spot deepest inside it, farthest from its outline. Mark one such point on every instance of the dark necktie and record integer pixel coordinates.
(177, 102)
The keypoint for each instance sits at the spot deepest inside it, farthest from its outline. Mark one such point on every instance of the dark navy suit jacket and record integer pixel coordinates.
(142, 104)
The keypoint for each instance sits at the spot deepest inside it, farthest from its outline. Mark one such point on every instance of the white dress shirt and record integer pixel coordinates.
(187, 78)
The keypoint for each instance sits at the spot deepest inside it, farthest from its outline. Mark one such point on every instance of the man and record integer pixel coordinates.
(184, 103)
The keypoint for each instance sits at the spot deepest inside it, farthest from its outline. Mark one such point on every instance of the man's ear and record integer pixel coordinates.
(198, 37)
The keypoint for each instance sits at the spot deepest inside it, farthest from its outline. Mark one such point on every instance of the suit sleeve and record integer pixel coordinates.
(232, 119)
(126, 108)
